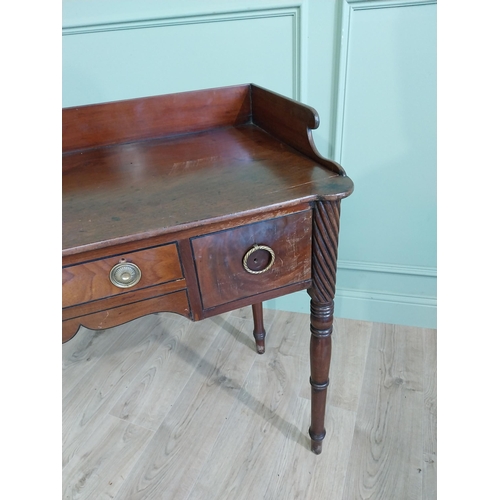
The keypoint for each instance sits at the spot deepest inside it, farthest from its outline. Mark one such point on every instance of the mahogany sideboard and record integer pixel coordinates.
(199, 203)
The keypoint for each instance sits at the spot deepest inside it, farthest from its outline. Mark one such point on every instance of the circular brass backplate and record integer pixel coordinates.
(125, 275)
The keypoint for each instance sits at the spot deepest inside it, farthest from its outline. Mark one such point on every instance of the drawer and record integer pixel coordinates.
(232, 264)
(91, 281)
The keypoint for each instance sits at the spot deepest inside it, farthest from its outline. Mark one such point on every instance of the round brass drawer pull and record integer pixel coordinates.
(248, 263)
(125, 275)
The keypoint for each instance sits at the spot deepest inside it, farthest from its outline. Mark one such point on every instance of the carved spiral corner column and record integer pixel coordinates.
(322, 292)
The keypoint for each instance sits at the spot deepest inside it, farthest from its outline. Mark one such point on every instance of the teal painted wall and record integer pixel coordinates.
(387, 142)
(161, 51)
(368, 67)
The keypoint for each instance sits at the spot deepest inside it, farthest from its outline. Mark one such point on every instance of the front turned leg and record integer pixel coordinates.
(326, 220)
(320, 354)
(258, 331)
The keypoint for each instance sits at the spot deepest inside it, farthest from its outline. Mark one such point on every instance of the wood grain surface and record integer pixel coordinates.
(164, 408)
(153, 187)
(145, 167)
(387, 449)
(219, 258)
(92, 126)
(90, 281)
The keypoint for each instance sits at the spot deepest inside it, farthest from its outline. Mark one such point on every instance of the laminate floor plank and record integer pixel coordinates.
(102, 463)
(301, 475)
(174, 457)
(298, 473)
(261, 420)
(350, 343)
(429, 472)
(161, 380)
(386, 458)
(81, 354)
(162, 408)
(89, 402)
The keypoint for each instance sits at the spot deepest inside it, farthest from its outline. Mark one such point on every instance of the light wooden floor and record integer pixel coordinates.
(162, 408)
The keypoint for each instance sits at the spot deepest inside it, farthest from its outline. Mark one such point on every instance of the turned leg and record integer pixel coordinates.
(324, 268)
(320, 354)
(258, 331)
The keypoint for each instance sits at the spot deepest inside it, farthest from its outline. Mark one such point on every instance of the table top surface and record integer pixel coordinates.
(148, 187)
(146, 167)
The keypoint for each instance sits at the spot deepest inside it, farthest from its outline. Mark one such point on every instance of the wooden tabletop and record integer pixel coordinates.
(149, 187)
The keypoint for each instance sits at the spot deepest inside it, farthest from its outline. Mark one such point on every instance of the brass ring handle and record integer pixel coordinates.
(251, 251)
(125, 274)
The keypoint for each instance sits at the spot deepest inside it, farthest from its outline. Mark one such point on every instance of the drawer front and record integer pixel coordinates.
(91, 281)
(232, 264)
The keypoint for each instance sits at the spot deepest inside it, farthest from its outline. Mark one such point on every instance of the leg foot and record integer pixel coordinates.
(258, 332)
(316, 447)
(316, 442)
